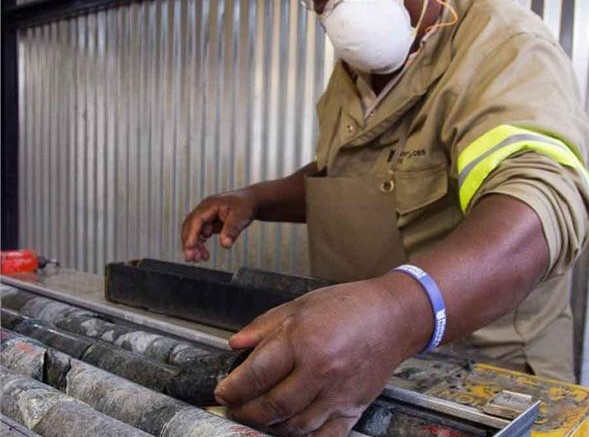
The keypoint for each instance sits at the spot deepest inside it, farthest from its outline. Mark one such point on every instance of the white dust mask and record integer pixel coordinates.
(373, 36)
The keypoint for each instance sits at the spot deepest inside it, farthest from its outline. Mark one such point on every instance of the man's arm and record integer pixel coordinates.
(281, 200)
(488, 264)
(321, 359)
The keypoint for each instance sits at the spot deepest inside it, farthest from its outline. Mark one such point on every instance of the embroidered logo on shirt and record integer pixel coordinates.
(413, 153)
(407, 154)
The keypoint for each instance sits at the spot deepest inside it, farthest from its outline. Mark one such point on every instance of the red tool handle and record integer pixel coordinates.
(19, 261)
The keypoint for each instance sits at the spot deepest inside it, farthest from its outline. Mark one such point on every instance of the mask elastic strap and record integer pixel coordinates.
(415, 30)
(447, 23)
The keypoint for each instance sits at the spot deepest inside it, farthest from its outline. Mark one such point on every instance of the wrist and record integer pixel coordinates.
(413, 311)
(436, 299)
(266, 196)
(251, 197)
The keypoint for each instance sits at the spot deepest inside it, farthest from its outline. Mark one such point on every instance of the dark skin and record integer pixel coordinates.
(320, 360)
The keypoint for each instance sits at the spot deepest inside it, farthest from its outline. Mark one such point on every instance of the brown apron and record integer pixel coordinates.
(352, 227)
(352, 221)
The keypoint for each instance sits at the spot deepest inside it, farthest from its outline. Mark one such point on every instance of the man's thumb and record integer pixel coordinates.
(231, 229)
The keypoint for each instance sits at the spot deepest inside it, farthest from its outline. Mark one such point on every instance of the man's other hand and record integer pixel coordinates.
(226, 214)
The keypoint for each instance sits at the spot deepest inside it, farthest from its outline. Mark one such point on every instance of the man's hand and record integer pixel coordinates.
(319, 360)
(227, 214)
(280, 200)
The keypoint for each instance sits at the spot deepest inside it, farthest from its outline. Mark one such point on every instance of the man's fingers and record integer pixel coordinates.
(288, 398)
(198, 252)
(195, 230)
(233, 224)
(190, 254)
(207, 230)
(339, 427)
(267, 365)
(261, 327)
(192, 232)
(315, 417)
(210, 228)
(194, 224)
(203, 253)
(305, 422)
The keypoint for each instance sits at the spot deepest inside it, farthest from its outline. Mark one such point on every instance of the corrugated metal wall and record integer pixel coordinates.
(130, 116)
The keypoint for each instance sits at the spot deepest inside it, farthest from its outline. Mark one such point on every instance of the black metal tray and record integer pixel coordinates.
(202, 295)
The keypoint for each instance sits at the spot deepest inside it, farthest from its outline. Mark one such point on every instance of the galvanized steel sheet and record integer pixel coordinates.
(131, 115)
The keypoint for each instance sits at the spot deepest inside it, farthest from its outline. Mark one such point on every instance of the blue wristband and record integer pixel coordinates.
(436, 299)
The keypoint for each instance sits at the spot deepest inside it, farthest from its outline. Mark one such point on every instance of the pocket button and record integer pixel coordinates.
(387, 186)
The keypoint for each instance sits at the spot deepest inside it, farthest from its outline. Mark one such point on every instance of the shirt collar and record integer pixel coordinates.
(363, 81)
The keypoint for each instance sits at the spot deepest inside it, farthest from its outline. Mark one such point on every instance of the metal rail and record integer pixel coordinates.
(521, 426)
(518, 427)
(443, 406)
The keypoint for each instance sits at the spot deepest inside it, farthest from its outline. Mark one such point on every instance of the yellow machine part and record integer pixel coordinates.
(564, 411)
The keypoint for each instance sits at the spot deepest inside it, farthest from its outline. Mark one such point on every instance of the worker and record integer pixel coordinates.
(449, 199)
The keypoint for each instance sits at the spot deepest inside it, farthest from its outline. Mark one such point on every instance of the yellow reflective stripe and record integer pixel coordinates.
(494, 137)
(485, 154)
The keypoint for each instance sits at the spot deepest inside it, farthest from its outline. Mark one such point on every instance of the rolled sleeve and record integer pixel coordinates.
(558, 195)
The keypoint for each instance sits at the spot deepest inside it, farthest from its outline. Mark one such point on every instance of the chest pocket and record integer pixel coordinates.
(419, 188)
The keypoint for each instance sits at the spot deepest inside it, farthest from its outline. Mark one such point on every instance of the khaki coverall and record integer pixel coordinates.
(489, 105)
